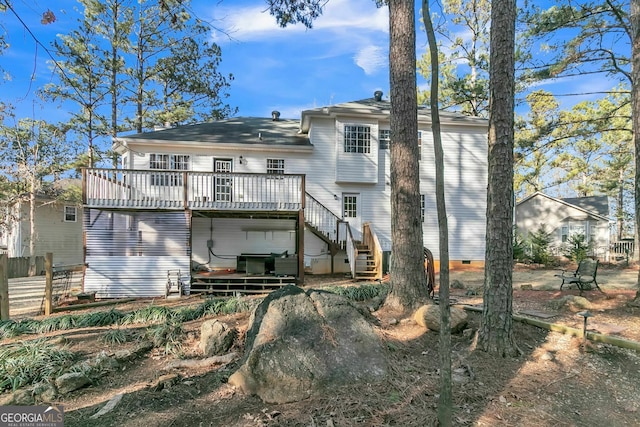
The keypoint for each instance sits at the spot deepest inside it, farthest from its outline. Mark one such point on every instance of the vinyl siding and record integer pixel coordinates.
(53, 234)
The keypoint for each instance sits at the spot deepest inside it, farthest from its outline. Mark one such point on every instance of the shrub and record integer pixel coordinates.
(577, 248)
(519, 248)
(540, 241)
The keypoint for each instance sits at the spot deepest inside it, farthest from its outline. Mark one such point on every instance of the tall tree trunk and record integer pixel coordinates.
(32, 228)
(408, 282)
(635, 114)
(445, 401)
(620, 207)
(496, 335)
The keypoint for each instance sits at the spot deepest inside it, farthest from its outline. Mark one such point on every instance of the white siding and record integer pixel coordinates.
(356, 167)
(232, 237)
(53, 234)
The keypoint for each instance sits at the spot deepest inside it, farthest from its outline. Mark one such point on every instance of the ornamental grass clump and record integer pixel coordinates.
(360, 293)
(31, 362)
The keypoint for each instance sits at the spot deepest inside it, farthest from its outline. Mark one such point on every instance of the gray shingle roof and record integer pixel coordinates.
(597, 204)
(240, 130)
(370, 106)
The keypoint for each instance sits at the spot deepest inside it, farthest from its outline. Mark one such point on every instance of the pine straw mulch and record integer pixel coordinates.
(555, 382)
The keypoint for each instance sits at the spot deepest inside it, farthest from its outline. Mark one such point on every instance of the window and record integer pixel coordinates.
(171, 162)
(357, 139)
(564, 233)
(384, 138)
(70, 214)
(579, 228)
(275, 166)
(419, 145)
(350, 206)
(422, 207)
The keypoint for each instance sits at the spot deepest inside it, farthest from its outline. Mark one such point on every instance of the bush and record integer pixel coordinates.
(577, 248)
(540, 241)
(519, 248)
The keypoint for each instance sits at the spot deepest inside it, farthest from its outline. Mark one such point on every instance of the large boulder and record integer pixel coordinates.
(428, 316)
(300, 343)
(216, 337)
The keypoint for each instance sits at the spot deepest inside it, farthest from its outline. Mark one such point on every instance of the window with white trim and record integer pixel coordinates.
(275, 166)
(384, 138)
(357, 139)
(350, 206)
(419, 145)
(422, 207)
(177, 162)
(70, 214)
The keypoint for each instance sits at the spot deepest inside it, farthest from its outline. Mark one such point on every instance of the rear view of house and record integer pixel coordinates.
(262, 201)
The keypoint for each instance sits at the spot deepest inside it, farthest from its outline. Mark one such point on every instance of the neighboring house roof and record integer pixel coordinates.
(596, 206)
(374, 107)
(240, 130)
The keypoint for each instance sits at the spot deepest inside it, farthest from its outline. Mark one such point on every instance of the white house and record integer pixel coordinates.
(562, 218)
(212, 199)
(58, 229)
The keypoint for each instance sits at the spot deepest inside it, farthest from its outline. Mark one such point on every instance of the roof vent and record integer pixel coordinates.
(377, 95)
(275, 115)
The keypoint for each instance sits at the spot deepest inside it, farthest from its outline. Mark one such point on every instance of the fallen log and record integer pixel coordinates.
(91, 305)
(555, 327)
(201, 363)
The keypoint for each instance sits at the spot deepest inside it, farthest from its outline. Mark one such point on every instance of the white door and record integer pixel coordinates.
(223, 185)
(351, 212)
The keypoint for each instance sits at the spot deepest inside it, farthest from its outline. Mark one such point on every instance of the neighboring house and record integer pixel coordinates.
(215, 195)
(58, 229)
(562, 218)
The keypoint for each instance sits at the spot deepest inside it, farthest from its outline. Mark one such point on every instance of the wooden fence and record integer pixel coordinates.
(19, 267)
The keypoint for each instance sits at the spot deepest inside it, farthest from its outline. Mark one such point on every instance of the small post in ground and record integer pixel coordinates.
(4, 288)
(48, 289)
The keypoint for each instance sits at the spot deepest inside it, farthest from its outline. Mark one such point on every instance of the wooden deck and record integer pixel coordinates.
(237, 283)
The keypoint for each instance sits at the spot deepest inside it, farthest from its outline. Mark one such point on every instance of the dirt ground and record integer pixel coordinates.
(555, 382)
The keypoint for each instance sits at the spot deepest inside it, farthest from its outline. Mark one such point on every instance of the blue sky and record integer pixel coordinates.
(344, 57)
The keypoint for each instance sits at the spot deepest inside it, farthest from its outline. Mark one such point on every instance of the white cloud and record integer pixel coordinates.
(371, 59)
(253, 23)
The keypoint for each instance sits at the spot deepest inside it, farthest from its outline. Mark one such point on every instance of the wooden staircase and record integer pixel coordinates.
(366, 268)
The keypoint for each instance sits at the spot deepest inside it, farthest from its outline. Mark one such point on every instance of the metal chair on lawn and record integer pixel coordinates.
(583, 277)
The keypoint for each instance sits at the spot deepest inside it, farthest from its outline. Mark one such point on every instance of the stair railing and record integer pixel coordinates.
(325, 221)
(370, 239)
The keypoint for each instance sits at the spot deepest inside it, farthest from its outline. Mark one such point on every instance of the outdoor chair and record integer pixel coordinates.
(583, 277)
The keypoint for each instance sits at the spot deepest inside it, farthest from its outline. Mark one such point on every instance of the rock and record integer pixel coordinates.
(59, 340)
(526, 287)
(23, 397)
(429, 316)
(124, 355)
(572, 302)
(143, 348)
(456, 284)
(302, 343)
(67, 383)
(45, 392)
(164, 382)
(216, 337)
(6, 399)
(104, 363)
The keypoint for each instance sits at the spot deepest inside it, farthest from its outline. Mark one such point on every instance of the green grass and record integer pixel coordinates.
(360, 293)
(167, 336)
(117, 336)
(32, 362)
(149, 314)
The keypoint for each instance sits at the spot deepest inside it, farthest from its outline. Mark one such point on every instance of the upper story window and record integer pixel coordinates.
(275, 166)
(357, 139)
(422, 207)
(419, 145)
(70, 214)
(384, 138)
(170, 162)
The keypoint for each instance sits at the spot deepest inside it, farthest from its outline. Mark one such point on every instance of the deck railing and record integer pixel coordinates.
(163, 189)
